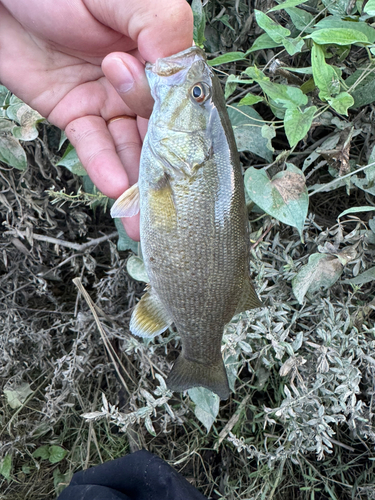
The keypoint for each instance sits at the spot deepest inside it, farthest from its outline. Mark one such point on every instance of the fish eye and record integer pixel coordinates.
(199, 92)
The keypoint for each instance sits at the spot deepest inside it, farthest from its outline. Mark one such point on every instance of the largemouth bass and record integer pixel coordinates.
(194, 224)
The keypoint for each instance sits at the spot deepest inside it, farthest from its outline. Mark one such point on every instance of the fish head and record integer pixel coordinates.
(181, 121)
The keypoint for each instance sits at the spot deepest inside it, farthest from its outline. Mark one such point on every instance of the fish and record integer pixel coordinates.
(193, 220)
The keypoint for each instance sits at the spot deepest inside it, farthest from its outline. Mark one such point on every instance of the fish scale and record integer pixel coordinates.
(194, 224)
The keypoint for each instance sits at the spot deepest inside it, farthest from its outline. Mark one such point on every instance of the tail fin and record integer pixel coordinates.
(186, 374)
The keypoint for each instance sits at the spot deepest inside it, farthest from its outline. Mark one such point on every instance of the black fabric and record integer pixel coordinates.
(138, 476)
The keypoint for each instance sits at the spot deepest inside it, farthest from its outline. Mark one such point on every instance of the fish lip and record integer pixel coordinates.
(168, 66)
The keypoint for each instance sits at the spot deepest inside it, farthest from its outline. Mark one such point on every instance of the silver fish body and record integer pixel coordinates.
(194, 224)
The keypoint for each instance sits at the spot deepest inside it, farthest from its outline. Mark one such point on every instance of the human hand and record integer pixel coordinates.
(67, 59)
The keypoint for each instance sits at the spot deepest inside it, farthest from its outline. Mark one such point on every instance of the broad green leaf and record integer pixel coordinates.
(60, 481)
(284, 197)
(322, 270)
(339, 7)
(287, 4)
(331, 22)
(361, 279)
(285, 95)
(207, 405)
(124, 241)
(199, 22)
(297, 123)
(247, 124)
(263, 41)
(364, 92)
(136, 269)
(325, 77)
(12, 153)
(338, 36)
(18, 396)
(41, 452)
(250, 99)
(355, 210)
(293, 45)
(27, 118)
(273, 29)
(56, 454)
(301, 19)
(6, 126)
(269, 132)
(370, 8)
(6, 466)
(71, 161)
(227, 58)
(341, 103)
(4, 93)
(256, 74)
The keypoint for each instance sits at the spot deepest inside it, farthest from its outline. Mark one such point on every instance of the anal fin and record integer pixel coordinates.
(128, 203)
(149, 317)
(249, 298)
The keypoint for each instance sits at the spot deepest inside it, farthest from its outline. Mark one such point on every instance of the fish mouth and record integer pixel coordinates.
(171, 65)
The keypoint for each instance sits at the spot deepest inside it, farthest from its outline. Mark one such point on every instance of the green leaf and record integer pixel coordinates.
(124, 241)
(341, 103)
(330, 22)
(227, 58)
(269, 132)
(18, 396)
(247, 123)
(250, 99)
(284, 197)
(207, 405)
(322, 270)
(56, 454)
(71, 161)
(325, 77)
(301, 19)
(370, 8)
(263, 41)
(338, 36)
(136, 269)
(42, 452)
(199, 22)
(293, 45)
(297, 123)
(6, 466)
(6, 126)
(256, 74)
(28, 118)
(285, 95)
(339, 7)
(12, 153)
(364, 92)
(355, 210)
(274, 30)
(287, 4)
(363, 278)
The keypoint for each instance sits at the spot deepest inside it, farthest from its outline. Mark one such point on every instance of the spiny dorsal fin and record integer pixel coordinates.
(149, 317)
(128, 203)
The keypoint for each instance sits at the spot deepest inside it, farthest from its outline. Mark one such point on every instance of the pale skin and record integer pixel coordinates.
(80, 63)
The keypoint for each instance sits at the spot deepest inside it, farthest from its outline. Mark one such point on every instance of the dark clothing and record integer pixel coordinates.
(138, 476)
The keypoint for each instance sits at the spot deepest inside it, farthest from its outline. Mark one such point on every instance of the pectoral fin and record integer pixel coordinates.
(149, 317)
(249, 298)
(128, 203)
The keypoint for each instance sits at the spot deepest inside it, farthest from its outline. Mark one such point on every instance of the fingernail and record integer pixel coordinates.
(125, 80)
